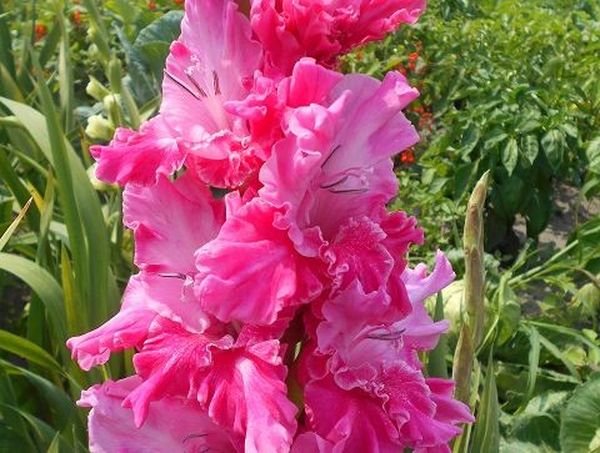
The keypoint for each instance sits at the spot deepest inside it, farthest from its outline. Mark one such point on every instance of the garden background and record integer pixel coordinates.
(507, 86)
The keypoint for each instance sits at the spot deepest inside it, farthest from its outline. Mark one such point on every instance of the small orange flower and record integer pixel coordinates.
(40, 31)
(408, 156)
(76, 17)
(412, 61)
(152, 5)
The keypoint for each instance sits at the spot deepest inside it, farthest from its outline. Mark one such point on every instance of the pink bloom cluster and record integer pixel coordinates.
(283, 316)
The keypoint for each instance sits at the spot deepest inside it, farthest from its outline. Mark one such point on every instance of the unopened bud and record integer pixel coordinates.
(99, 128)
(96, 90)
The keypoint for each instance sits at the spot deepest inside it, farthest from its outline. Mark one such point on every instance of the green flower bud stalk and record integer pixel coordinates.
(114, 75)
(462, 366)
(474, 279)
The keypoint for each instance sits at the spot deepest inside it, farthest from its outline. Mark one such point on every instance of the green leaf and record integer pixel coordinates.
(28, 351)
(592, 152)
(13, 226)
(486, 434)
(153, 41)
(538, 211)
(494, 138)
(534, 360)
(85, 221)
(43, 284)
(581, 419)
(57, 401)
(531, 147)
(553, 349)
(510, 155)
(553, 144)
(470, 139)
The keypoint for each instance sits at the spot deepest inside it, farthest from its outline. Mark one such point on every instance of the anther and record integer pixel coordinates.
(181, 84)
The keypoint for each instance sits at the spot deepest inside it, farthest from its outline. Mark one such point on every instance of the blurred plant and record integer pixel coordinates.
(505, 93)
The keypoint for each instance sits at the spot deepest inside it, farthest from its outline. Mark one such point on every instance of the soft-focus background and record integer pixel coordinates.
(510, 86)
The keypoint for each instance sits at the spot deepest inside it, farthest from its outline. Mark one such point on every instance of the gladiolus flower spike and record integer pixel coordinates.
(283, 316)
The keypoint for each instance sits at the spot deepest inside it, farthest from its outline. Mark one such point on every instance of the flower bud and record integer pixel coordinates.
(96, 90)
(100, 186)
(112, 108)
(99, 128)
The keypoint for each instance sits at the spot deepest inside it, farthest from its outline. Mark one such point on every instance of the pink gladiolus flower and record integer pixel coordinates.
(173, 424)
(160, 289)
(291, 29)
(281, 316)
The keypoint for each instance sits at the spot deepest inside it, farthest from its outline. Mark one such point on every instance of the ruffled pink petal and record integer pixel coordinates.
(424, 410)
(173, 424)
(448, 410)
(171, 220)
(290, 29)
(146, 298)
(251, 271)
(357, 253)
(270, 26)
(241, 387)
(401, 232)
(139, 157)
(379, 17)
(246, 392)
(351, 420)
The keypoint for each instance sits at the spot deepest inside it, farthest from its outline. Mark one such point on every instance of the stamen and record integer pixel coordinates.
(216, 85)
(333, 184)
(333, 151)
(194, 436)
(178, 275)
(391, 335)
(348, 191)
(198, 87)
(181, 84)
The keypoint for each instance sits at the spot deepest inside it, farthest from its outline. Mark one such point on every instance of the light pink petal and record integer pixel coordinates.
(358, 330)
(251, 271)
(308, 84)
(173, 424)
(263, 109)
(212, 64)
(139, 157)
(171, 220)
(420, 285)
(340, 163)
(146, 298)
